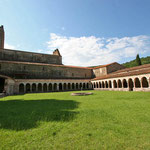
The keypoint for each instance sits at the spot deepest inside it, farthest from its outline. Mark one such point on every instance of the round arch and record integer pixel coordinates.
(39, 87)
(119, 84)
(50, 87)
(125, 84)
(33, 87)
(96, 84)
(60, 87)
(144, 82)
(21, 88)
(28, 88)
(131, 84)
(103, 85)
(65, 86)
(55, 86)
(69, 86)
(87, 85)
(100, 86)
(73, 86)
(115, 84)
(109, 84)
(137, 83)
(106, 84)
(77, 86)
(44, 87)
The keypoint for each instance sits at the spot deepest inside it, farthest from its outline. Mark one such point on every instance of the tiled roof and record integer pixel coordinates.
(143, 69)
(101, 66)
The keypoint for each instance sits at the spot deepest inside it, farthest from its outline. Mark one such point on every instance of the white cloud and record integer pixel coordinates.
(88, 51)
(8, 46)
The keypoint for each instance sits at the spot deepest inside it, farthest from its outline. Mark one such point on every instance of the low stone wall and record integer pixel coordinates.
(123, 89)
(142, 89)
(111, 89)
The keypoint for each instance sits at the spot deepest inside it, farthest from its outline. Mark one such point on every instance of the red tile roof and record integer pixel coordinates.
(101, 66)
(143, 69)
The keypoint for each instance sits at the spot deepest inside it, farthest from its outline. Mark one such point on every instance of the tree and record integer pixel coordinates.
(138, 60)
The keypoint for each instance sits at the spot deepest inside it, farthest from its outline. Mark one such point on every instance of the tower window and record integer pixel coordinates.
(72, 74)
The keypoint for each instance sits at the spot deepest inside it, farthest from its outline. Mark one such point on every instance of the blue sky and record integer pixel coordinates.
(87, 32)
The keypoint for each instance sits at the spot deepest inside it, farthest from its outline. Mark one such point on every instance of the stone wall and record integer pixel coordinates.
(20, 70)
(15, 55)
(100, 72)
(114, 67)
(104, 70)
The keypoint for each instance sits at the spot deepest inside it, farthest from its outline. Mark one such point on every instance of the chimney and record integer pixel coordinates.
(2, 37)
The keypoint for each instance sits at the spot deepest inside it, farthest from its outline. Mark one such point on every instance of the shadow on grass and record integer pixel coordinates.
(26, 114)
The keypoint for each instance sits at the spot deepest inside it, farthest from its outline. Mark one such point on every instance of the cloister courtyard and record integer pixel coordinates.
(57, 120)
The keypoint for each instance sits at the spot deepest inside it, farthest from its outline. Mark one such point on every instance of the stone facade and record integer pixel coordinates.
(21, 56)
(106, 69)
(23, 70)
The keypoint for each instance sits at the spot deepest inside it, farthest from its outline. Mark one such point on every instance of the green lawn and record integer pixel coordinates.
(105, 120)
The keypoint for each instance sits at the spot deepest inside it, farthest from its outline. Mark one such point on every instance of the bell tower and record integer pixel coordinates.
(2, 37)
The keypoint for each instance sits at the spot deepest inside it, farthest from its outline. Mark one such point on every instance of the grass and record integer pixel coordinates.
(106, 120)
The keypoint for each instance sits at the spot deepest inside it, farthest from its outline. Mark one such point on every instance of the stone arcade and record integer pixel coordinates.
(25, 72)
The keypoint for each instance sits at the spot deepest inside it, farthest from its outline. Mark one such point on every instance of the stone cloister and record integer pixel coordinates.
(51, 86)
(127, 83)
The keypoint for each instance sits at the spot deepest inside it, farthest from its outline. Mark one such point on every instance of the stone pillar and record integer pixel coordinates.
(36, 87)
(112, 84)
(62, 86)
(31, 87)
(52, 87)
(57, 89)
(42, 87)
